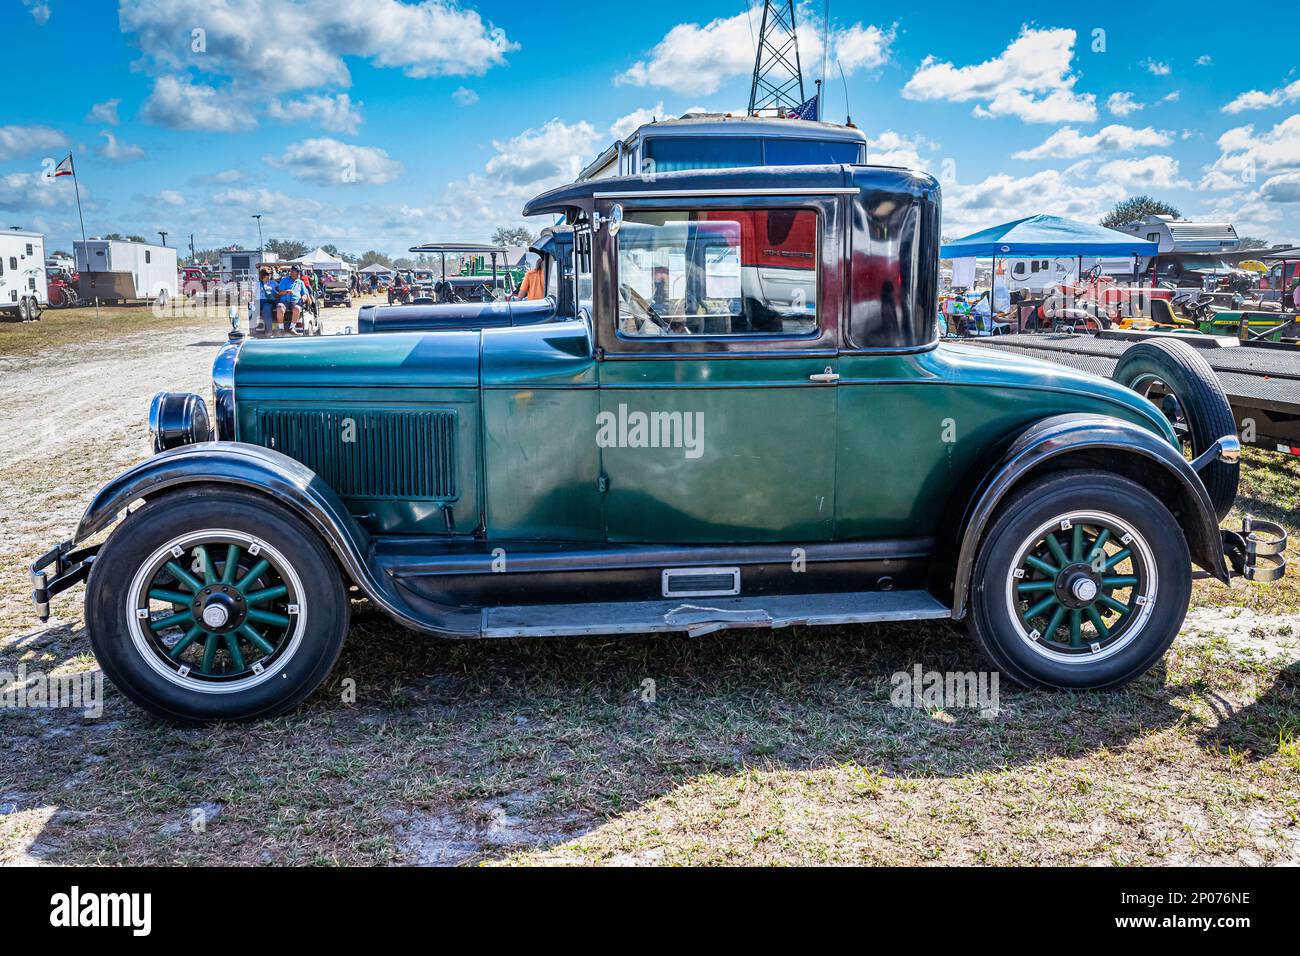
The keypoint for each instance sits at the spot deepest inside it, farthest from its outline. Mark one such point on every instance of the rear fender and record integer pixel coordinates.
(1096, 442)
(287, 482)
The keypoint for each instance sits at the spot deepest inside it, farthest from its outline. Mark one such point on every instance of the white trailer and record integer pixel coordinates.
(152, 268)
(22, 274)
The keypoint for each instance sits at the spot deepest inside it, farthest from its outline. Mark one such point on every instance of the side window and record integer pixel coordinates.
(718, 272)
(582, 265)
(29, 248)
(13, 262)
(147, 258)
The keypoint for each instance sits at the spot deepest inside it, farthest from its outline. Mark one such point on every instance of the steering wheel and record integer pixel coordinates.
(1093, 274)
(639, 301)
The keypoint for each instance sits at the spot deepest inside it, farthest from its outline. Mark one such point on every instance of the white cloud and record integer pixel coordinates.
(1173, 97)
(552, 153)
(39, 9)
(18, 141)
(301, 45)
(1258, 99)
(1150, 172)
(1245, 155)
(170, 197)
(178, 103)
(623, 127)
(113, 149)
(105, 112)
(336, 113)
(465, 96)
(1123, 104)
(897, 149)
(1283, 188)
(229, 176)
(22, 192)
(1031, 79)
(329, 162)
(1204, 59)
(695, 59)
(1003, 197)
(1156, 68)
(1068, 143)
(861, 48)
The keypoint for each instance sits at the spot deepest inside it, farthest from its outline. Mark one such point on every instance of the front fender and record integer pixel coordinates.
(289, 483)
(1099, 442)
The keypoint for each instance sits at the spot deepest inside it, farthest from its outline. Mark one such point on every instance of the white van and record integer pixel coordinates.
(22, 274)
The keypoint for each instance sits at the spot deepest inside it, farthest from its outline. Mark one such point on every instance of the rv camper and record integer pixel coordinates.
(22, 274)
(117, 270)
(718, 141)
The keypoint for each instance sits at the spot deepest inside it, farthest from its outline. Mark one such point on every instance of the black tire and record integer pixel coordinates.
(24, 311)
(34, 308)
(310, 644)
(1200, 411)
(1135, 643)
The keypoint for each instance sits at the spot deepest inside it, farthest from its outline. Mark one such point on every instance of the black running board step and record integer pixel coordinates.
(706, 615)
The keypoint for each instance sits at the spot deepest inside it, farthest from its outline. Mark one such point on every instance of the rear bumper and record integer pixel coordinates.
(57, 570)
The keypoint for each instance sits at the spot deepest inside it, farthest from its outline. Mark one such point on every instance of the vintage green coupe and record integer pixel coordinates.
(746, 421)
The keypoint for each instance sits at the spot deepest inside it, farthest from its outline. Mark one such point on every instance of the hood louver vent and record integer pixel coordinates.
(369, 454)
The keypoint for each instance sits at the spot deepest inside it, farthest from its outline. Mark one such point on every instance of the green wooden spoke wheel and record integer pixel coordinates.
(216, 610)
(1082, 586)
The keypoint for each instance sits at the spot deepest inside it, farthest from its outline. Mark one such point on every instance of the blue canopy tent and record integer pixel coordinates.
(1046, 236)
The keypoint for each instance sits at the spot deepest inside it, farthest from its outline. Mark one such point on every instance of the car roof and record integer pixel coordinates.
(751, 180)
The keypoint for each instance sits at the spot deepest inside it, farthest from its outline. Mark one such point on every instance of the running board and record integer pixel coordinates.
(704, 616)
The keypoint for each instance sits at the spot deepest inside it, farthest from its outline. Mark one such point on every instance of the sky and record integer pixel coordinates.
(378, 124)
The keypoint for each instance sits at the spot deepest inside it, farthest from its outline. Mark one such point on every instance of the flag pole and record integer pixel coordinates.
(77, 189)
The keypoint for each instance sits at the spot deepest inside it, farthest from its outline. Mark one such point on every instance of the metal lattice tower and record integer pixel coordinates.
(778, 77)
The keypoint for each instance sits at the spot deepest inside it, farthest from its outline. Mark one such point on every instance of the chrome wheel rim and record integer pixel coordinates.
(1082, 587)
(216, 611)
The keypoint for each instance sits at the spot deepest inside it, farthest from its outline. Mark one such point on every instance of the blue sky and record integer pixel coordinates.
(378, 124)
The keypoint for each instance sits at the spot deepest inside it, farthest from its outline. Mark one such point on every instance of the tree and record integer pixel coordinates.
(403, 263)
(1135, 208)
(372, 256)
(1253, 242)
(286, 248)
(517, 236)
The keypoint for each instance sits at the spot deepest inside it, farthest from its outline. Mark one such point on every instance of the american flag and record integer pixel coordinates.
(807, 110)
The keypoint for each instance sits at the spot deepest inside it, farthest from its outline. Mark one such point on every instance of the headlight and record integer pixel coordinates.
(178, 418)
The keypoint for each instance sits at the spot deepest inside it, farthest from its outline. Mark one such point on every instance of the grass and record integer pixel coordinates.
(753, 747)
(59, 327)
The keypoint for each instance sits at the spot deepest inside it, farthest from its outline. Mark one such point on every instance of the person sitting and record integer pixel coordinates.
(533, 285)
(290, 293)
(266, 298)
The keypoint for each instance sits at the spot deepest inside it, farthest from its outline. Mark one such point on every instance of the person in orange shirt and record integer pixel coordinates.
(534, 284)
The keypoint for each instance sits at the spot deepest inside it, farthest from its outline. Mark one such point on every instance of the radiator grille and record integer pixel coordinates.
(391, 454)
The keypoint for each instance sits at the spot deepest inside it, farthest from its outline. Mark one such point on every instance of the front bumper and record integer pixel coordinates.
(70, 567)
(1258, 551)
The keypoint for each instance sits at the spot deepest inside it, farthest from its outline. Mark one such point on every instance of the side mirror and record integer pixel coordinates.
(615, 219)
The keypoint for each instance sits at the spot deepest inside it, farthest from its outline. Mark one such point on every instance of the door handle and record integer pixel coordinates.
(827, 376)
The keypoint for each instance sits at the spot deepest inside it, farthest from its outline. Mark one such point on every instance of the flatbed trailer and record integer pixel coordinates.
(1261, 379)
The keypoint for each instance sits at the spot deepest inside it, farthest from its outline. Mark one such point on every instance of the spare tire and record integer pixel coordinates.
(1183, 386)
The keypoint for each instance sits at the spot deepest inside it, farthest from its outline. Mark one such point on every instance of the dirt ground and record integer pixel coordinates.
(732, 748)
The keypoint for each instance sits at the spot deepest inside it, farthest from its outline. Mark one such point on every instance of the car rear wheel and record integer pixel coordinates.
(1082, 582)
(212, 604)
(1183, 386)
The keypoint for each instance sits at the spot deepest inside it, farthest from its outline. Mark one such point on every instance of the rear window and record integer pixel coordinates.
(811, 152)
(670, 154)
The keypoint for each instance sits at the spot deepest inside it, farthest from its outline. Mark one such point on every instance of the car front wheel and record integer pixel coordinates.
(1082, 582)
(212, 604)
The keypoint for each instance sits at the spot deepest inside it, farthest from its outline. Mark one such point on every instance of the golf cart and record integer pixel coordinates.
(259, 328)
